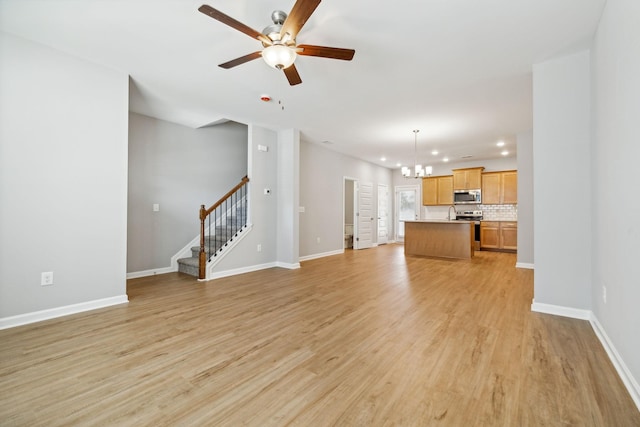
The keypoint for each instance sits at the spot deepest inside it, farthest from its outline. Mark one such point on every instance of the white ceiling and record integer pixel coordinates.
(457, 70)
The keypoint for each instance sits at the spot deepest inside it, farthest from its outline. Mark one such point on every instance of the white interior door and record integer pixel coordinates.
(383, 214)
(363, 237)
(407, 207)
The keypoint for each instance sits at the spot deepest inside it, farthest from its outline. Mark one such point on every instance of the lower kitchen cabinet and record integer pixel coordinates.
(509, 235)
(501, 235)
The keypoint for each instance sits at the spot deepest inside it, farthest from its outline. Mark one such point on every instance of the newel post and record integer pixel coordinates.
(202, 261)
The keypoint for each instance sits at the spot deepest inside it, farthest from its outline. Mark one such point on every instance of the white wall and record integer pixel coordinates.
(180, 169)
(63, 179)
(616, 149)
(561, 166)
(322, 173)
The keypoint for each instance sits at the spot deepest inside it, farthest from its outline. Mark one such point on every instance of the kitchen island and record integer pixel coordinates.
(439, 238)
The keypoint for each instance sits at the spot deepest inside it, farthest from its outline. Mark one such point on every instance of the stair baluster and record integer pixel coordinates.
(229, 218)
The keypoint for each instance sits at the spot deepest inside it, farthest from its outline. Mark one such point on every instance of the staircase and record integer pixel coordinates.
(219, 226)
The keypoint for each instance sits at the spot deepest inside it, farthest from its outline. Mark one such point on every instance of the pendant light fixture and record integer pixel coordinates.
(418, 171)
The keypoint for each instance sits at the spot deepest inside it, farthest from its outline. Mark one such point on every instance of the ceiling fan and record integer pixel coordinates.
(279, 39)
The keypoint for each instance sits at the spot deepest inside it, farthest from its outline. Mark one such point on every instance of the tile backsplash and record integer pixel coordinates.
(499, 212)
(489, 212)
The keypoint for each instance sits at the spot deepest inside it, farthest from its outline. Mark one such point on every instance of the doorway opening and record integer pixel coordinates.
(349, 212)
(407, 203)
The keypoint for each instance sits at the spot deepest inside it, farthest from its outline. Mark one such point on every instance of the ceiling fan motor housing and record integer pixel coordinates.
(273, 31)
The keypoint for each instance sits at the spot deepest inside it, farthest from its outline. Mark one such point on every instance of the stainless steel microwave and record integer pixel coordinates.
(467, 197)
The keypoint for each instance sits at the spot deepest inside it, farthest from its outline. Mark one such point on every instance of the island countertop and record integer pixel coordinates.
(439, 238)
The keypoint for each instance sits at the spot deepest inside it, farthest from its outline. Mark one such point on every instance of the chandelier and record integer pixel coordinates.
(418, 170)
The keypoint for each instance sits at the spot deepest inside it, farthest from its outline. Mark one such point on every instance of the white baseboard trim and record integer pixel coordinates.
(288, 265)
(236, 271)
(558, 310)
(618, 363)
(153, 272)
(525, 265)
(52, 313)
(321, 255)
(622, 369)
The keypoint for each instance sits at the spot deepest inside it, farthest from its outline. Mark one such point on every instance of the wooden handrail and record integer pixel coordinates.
(204, 213)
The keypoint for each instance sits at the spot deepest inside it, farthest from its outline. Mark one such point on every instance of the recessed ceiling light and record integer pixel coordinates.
(504, 153)
(383, 159)
(446, 159)
(434, 152)
(500, 144)
(398, 164)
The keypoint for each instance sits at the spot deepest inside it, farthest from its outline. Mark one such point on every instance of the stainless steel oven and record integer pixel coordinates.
(476, 217)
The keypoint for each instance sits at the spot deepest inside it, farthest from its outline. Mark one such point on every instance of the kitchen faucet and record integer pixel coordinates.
(454, 212)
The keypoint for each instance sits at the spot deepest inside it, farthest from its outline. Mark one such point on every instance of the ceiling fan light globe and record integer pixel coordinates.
(279, 56)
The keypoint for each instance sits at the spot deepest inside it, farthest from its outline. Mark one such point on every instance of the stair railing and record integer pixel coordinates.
(229, 217)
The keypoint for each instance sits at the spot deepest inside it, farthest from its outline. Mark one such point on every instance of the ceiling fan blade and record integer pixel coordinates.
(227, 20)
(299, 14)
(241, 60)
(326, 52)
(292, 75)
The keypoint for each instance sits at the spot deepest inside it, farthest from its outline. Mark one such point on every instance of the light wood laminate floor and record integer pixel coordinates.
(368, 338)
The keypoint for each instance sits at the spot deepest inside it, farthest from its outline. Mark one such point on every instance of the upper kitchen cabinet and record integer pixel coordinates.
(500, 188)
(467, 179)
(437, 190)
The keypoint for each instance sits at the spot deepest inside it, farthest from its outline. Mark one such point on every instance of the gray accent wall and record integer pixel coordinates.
(263, 174)
(288, 197)
(63, 179)
(561, 179)
(322, 173)
(615, 261)
(525, 199)
(179, 169)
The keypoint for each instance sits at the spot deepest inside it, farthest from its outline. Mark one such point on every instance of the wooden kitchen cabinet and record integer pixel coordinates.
(430, 191)
(509, 187)
(499, 235)
(467, 179)
(500, 188)
(509, 235)
(437, 190)
(490, 235)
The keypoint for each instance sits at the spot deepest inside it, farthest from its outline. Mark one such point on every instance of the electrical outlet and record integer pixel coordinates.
(317, 240)
(604, 294)
(46, 278)
(156, 207)
(259, 248)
